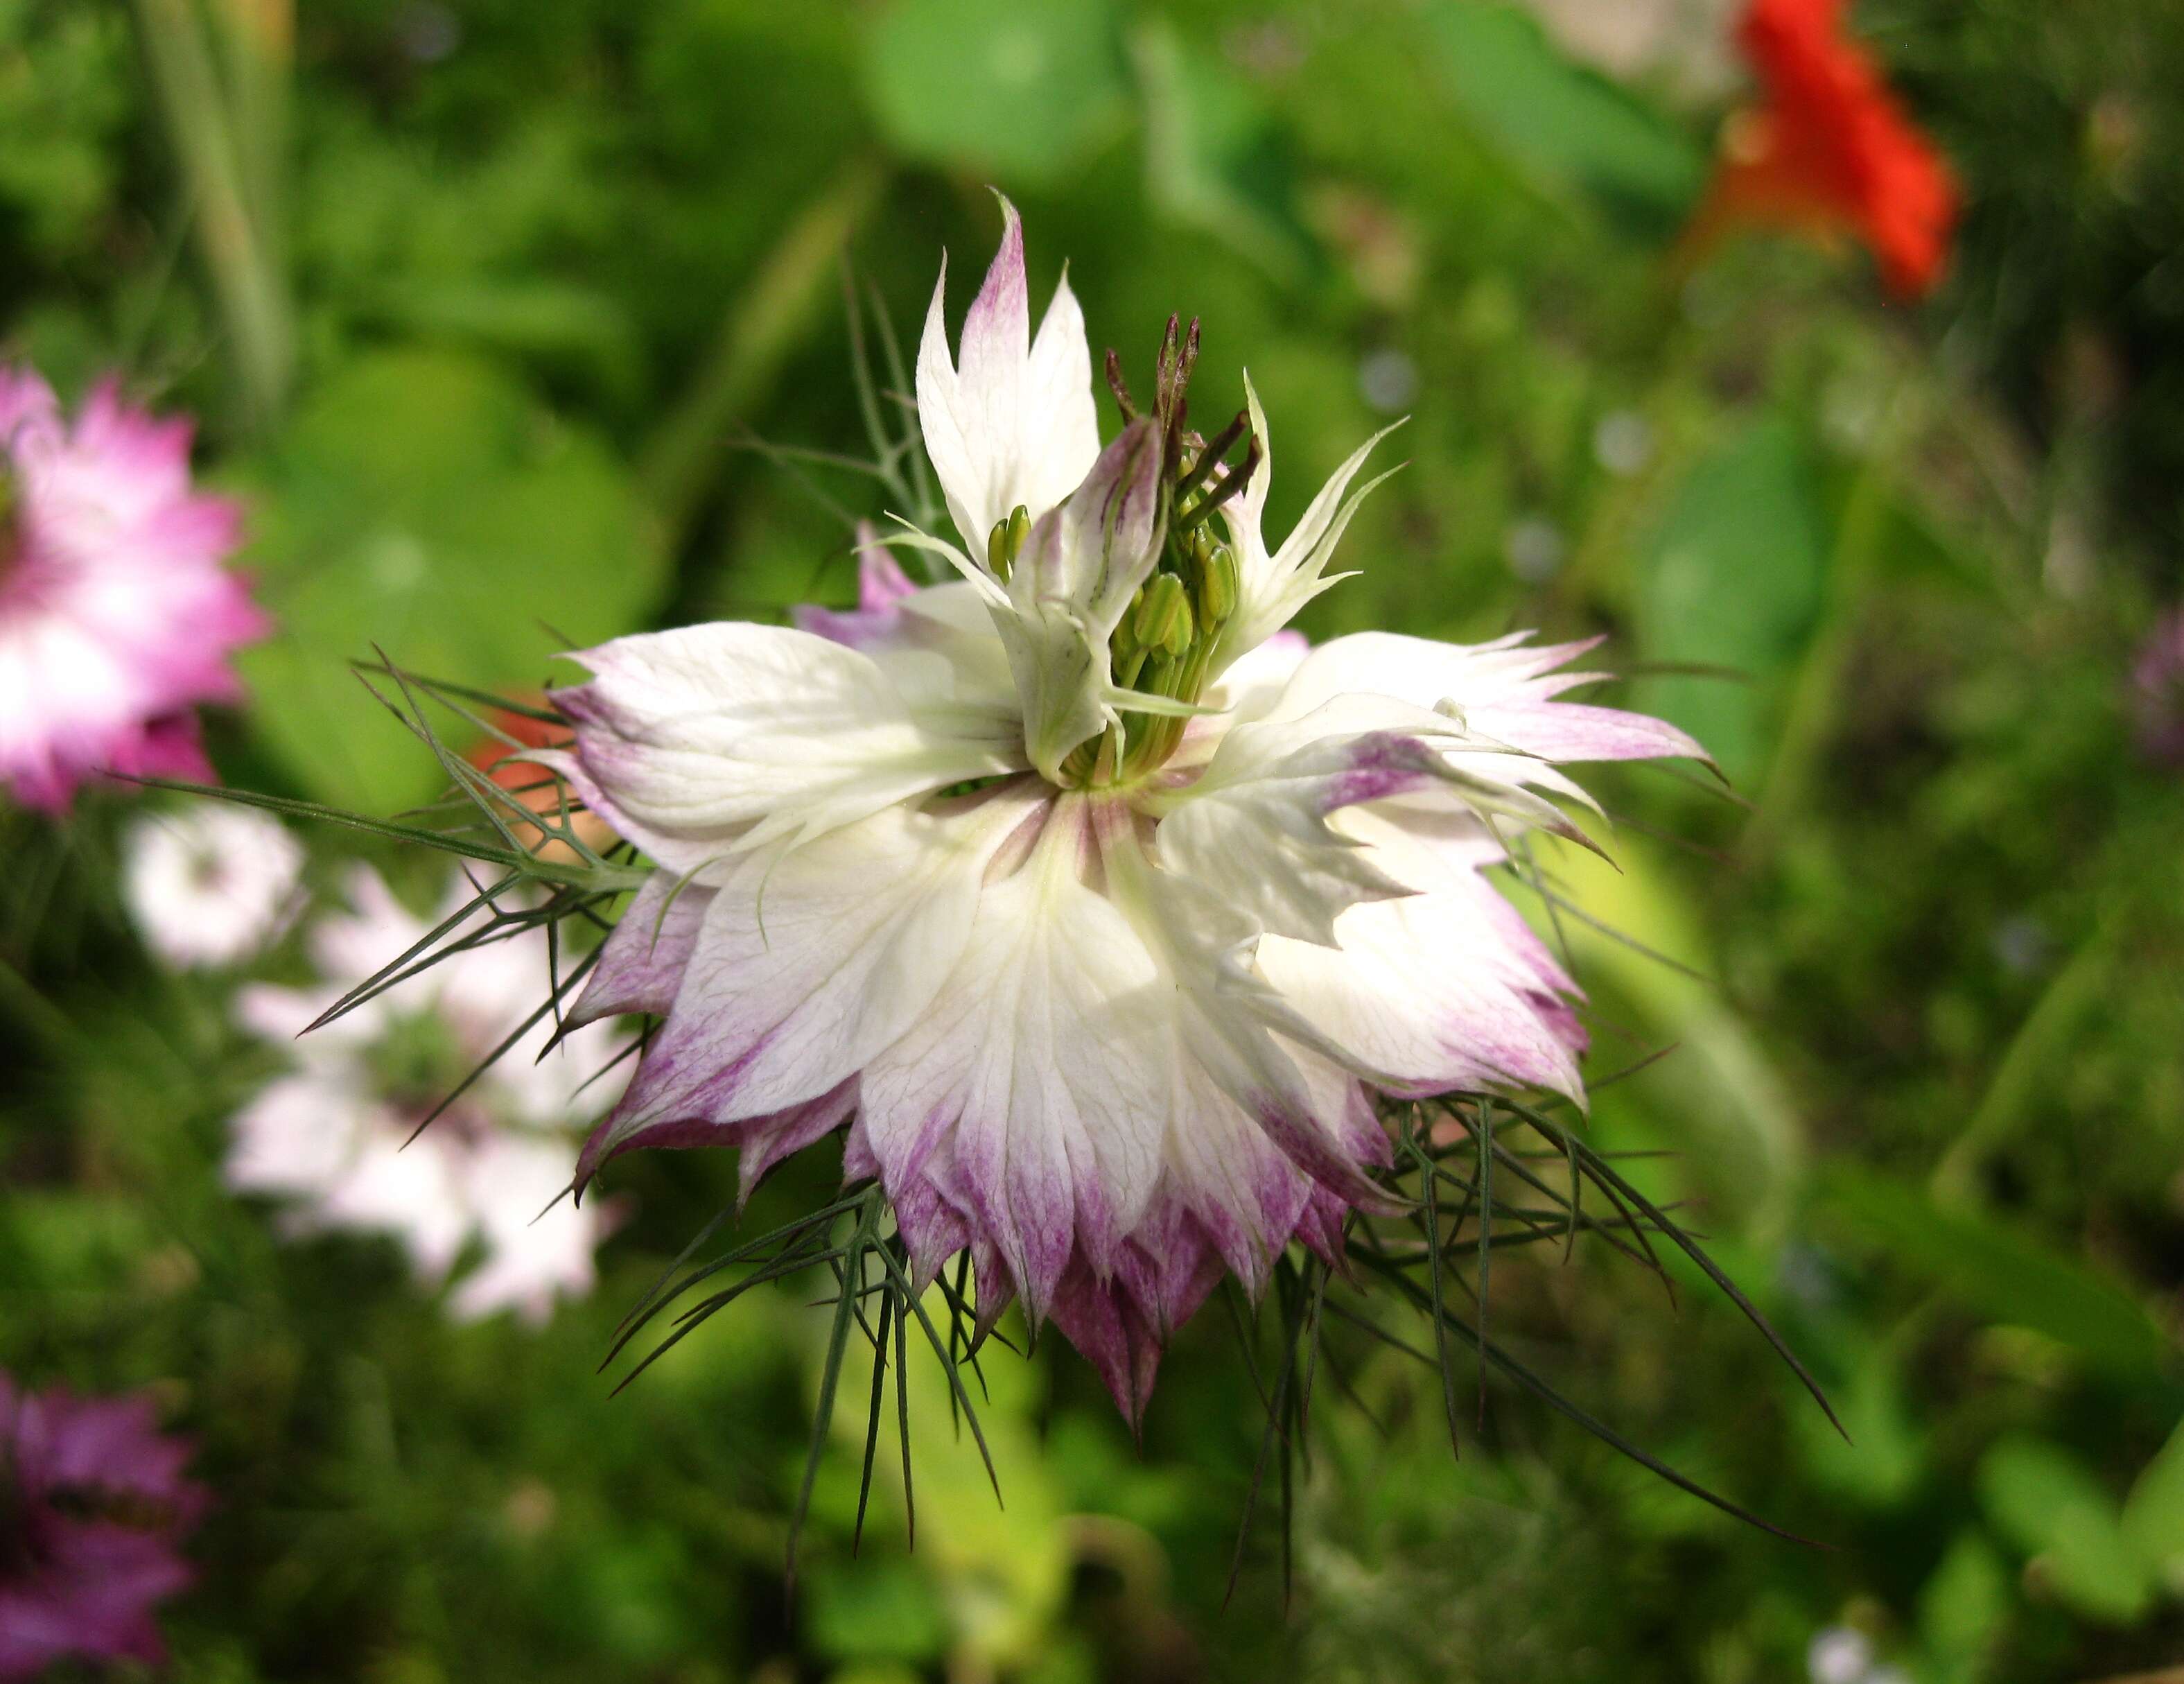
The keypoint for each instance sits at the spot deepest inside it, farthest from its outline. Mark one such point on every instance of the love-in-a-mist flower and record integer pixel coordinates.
(93, 1508)
(1098, 905)
(334, 1136)
(210, 885)
(117, 617)
(1829, 150)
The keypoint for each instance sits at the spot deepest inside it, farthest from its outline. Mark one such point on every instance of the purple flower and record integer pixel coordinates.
(117, 618)
(92, 1504)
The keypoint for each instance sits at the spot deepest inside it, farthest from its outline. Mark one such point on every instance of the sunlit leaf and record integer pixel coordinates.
(1018, 92)
(1734, 578)
(2049, 1504)
(1565, 124)
(2001, 1272)
(1216, 155)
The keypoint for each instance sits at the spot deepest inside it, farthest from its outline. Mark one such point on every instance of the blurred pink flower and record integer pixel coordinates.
(117, 619)
(92, 1507)
(333, 1136)
(2157, 681)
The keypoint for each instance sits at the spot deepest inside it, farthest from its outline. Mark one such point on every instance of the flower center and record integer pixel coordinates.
(418, 1061)
(1165, 643)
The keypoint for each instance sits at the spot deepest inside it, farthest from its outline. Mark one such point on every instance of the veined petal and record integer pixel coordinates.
(713, 740)
(1256, 823)
(806, 964)
(641, 962)
(1447, 988)
(1501, 692)
(1214, 1015)
(1030, 1064)
(1015, 424)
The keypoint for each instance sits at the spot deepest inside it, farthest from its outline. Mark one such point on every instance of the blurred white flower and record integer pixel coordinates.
(335, 1134)
(209, 884)
(1623, 442)
(1534, 548)
(1841, 1654)
(1387, 381)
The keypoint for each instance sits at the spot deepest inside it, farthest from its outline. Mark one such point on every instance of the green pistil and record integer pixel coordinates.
(1164, 644)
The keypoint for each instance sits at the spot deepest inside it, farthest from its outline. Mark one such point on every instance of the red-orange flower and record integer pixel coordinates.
(1829, 150)
(534, 785)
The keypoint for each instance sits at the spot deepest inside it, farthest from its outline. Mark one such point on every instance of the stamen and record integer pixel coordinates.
(1117, 385)
(1228, 485)
(1210, 455)
(1006, 541)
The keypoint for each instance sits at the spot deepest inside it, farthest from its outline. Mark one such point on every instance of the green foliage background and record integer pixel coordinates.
(478, 301)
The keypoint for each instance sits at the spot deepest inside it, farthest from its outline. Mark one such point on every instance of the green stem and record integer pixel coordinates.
(1812, 713)
(2037, 1043)
(755, 339)
(249, 293)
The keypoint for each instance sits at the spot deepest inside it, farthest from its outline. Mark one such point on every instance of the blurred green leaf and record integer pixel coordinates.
(425, 503)
(1020, 93)
(1963, 1603)
(2153, 1515)
(1720, 1098)
(1736, 577)
(1216, 156)
(2004, 1274)
(2046, 1502)
(875, 1611)
(1885, 1454)
(1566, 126)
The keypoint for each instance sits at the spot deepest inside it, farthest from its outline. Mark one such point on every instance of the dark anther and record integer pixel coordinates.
(1210, 455)
(1117, 385)
(1226, 487)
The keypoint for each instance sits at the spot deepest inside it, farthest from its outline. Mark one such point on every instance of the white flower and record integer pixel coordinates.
(1841, 1654)
(335, 1135)
(1098, 905)
(209, 885)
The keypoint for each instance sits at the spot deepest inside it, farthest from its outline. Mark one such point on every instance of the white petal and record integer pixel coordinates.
(538, 1244)
(1030, 1065)
(1502, 692)
(810, 962)
(1443, 989)
(1272, 587)
(297, 1136)
(1016, 424)
(1220, 1014)
(716, 739)
(1255, 828)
